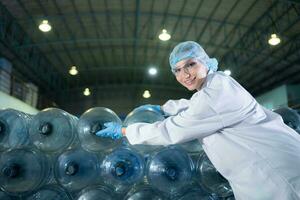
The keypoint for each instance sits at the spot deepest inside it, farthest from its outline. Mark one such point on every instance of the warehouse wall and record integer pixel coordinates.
(7, 101)
(274, 98)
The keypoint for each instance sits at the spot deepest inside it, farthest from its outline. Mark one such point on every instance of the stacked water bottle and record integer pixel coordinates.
(55, 155)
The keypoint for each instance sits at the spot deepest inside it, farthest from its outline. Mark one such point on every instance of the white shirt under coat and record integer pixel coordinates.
(249, 145)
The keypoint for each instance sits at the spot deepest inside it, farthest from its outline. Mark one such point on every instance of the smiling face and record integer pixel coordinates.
(190, 73)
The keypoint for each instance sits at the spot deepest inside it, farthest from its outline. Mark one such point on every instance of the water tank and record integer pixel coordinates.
(23, 170)
(122, 168)
(53, 130)
(210, 179)
(143, 115)
(76, 169)
(97, 192)
(290, 117)
(169, 169)
(49, 192)
(14, 126)
(93, 121)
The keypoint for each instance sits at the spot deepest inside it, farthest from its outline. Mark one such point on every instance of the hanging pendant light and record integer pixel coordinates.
(73, 71)
(164, 36)
(86, 92)
(146, 94)
(274, 40)
(45, 26)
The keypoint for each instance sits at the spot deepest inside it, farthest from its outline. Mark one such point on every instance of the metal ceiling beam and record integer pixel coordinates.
(123, 33)
(83, 29)
(39, 69)
(119, 43)
(149, 33)
(98, 35)
(173, 30)
(136, 30)
(56, 33)
(214, 10)
(257, 40)
(228, 36)
(131, 14)
(162, 26)
(219, 29)
(70, 32)
(267, 74)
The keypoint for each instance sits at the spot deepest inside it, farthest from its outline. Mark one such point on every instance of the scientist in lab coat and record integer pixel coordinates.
(249, 145)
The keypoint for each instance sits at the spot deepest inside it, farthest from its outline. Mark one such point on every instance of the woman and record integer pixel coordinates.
(249, 145)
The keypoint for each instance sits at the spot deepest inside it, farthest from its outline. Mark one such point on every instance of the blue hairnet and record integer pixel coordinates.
(191, 49)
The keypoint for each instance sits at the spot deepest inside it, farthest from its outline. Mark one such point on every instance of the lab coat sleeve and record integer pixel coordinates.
(219, 105)
(173, 107)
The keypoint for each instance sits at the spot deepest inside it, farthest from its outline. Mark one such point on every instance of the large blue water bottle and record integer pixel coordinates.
(53, 130)
(195, 192)
(192, 146)
(143, 191)
(76, 169)
(97, 192)
(143, 115)
(210, 179)
(4, 196)
(122, 168)
(14, 127)
(49, 192)
(23, 170)
(93, 121)
(169, 169)
(290, 117)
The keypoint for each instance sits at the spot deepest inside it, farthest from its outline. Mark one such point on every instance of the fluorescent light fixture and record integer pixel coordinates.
(45, 26)
(274, 40)
(152, 71)
(73, 71)
(146, 94)
(164, 36)
(86, 92)
(227, 72)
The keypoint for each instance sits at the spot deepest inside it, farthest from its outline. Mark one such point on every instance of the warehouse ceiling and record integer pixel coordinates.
(114, 42)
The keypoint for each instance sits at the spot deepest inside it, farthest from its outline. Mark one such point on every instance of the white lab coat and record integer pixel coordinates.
(249, 145)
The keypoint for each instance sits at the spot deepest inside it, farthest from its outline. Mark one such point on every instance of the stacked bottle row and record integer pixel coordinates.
(55, 155)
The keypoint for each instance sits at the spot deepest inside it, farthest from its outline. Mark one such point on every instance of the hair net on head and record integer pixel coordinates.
(191, 49)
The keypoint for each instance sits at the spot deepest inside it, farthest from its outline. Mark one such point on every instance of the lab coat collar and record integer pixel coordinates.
(205, 81)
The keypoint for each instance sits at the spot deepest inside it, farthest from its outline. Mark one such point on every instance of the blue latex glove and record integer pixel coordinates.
(156, 108)
(112, 130)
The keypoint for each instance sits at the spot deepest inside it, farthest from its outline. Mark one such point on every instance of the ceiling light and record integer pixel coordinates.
(227, 72)
(152, 71)
(146, 94)
(164, 36)
(274, 40)
(87, 92)
(45, 26)
(73, 71)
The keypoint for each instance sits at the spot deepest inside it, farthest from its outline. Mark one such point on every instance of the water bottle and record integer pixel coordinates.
(290, 117)
(141, 192)
(14, 127)
(193, 146)
(122, 168)
(49, 192)
(143, 115)
(169, 169)
(97, 192)
(23, 170)
(195, 192)
(210, 179)
(77, 168)
(53, 130)
(93, 121)
(4, 196)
